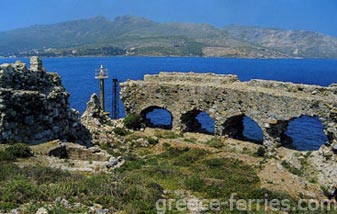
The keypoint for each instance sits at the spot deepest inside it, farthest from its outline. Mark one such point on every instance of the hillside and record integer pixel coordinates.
(128, 35)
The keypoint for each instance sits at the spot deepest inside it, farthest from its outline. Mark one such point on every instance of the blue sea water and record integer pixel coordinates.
(78, 78)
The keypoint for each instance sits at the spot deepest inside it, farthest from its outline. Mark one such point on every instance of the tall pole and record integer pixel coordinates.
(101, 74)
(101, 94)
(114, 99)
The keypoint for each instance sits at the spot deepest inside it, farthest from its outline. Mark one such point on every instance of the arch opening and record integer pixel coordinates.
(305, 133)
(197, 121)
(241, 127)
(157, 117)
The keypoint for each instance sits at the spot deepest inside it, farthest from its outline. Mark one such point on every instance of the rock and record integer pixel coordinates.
(326, 152)
(279, 167)
(70, 150)
(42, 210)
(115, 162)
(65, 203)
(79, 152)
(334, 148)
(98, 209)
(112, 162)
(102, 211)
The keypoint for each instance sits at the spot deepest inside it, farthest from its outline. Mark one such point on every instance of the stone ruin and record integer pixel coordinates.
(34, 106)
(99, 124)
(271, 104)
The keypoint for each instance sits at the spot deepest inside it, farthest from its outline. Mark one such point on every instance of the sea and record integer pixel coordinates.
(78, 78)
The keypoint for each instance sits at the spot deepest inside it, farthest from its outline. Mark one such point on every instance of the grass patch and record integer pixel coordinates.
(166, 134)
(291, 169)
(130, 192)
(190, 140)
(215, 143)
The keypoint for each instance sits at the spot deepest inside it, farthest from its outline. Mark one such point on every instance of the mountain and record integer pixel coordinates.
(293, 43)
(128, 35)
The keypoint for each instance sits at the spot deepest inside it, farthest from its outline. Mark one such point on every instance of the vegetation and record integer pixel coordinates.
(133, 121)
(261, 152)
(130, 192)
(18, 150)
(120, 131)
(182, 170)
(291, 169)
(152, 141)
(214, 142)
(166, 134)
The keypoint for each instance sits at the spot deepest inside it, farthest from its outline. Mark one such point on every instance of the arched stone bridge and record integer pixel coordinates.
(271, 104)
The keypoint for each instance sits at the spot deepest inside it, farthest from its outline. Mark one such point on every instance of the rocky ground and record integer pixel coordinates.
(297, 174)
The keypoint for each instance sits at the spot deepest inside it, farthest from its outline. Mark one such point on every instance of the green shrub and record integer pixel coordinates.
(195, 183)
(189, 157)
(6, 156)
(19, 150)
(110, 149)
(120, 131)
(152, 141)
(133, 121)
(215, 163)
(261, 152)
(14, 151)
(7, 170)
(19, 190)
(261, 193)
(174, 151)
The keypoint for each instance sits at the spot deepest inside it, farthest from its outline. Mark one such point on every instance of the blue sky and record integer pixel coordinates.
(315, 15)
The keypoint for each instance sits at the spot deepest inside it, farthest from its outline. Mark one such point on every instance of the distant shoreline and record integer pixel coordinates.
(156, 56)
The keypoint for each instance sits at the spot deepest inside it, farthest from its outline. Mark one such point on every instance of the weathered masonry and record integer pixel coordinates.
(271, 104)
(34, 106)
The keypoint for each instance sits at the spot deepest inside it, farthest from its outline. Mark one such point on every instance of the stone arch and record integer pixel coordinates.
(191, 122)
(242, 127)
(162, 117)
(305, 133)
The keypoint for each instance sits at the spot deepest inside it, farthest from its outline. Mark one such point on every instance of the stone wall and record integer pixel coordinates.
(34, 106)
(270, 104)
(99, 124)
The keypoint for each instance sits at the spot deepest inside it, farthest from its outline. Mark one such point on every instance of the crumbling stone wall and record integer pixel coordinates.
(270, 104)
(34, 106)
(99, 124)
